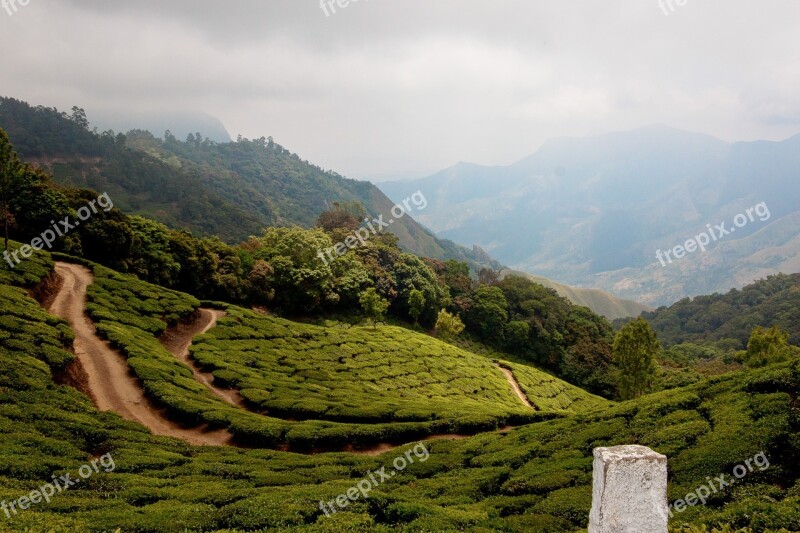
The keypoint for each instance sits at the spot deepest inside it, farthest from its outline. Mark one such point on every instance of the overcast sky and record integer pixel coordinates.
(389, 88)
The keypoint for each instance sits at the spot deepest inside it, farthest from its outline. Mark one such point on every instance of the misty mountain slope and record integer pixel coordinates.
(180, 123)
(593, 211)
(232, 190)
(601, 302)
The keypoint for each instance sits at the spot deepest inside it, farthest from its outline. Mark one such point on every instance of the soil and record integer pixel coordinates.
(105, 371)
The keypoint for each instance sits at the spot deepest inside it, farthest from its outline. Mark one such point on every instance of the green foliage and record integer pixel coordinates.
(487, 312)
(635, 350)
(448, 326)
(534, 478)
(373, 305)
(533, 322)
(416, 304)
(768, 346)
(369, 375)
(732, 316)
(301, 281)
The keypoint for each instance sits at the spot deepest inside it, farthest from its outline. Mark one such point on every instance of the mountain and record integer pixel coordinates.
(179, 123)
(231, 190)
(601, 302)
(594, 211)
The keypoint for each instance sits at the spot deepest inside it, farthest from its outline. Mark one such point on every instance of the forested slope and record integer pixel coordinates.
(230, 190)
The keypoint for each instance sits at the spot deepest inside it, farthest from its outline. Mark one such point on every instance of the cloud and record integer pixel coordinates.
(404, 87)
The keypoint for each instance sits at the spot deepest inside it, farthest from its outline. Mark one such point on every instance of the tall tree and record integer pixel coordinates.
(373, 305)
(767, 346)
(635, 350)
(416, 304)
(10, 169)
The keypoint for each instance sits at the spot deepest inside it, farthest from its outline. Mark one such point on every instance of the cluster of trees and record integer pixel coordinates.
(524, 318)
(726, 320)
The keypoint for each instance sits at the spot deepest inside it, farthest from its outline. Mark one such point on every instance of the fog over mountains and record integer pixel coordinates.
(593, 211)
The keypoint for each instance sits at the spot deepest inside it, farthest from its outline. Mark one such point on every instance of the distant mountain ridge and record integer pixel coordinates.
(593, 211)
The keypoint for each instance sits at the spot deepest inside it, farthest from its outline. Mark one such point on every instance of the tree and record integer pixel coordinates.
(488, 276)
(411, 273)
(768, 346)
(301, 281)
(487, 314)
(635, 350)
(343, 216)
(373, 305)
(260, 282)
(10, 168)
(79, 117)
(448, 326)
(416, 304)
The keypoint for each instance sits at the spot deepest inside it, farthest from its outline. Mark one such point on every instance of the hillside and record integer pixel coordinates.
(601, 302)
(731, 316)
(593, 211)
(307, 386)
(230, 190)
(537, 477)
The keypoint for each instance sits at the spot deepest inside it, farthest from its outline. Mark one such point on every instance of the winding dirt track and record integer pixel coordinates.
(112, 386)
(514, 385)
(178, 339)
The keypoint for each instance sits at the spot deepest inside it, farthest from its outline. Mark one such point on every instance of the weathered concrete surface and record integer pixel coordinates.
(629, 493)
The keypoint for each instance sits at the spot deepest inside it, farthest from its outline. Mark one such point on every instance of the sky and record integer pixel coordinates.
(389, 89)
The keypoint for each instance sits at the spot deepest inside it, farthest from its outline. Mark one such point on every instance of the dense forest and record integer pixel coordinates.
(727, 319)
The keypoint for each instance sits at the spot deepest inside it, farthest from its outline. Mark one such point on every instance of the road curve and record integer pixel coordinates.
(110, 382)
(514, 385)
(178, 339)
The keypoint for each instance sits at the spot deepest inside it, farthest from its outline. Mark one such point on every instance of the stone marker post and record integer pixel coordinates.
(629, 493)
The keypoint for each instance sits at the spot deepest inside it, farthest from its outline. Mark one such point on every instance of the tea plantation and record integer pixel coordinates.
(339, 387)
(533, 478)
(365, 374)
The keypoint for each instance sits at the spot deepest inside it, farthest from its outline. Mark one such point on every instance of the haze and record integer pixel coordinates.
(388, 89)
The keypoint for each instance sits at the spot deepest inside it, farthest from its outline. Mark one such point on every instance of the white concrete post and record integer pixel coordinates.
(629, 493)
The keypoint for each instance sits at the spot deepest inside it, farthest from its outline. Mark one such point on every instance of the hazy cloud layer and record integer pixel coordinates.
(394, 87)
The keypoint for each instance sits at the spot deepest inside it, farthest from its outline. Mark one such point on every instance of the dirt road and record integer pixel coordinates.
(112, 386)
(514, 385)
(177, 340)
